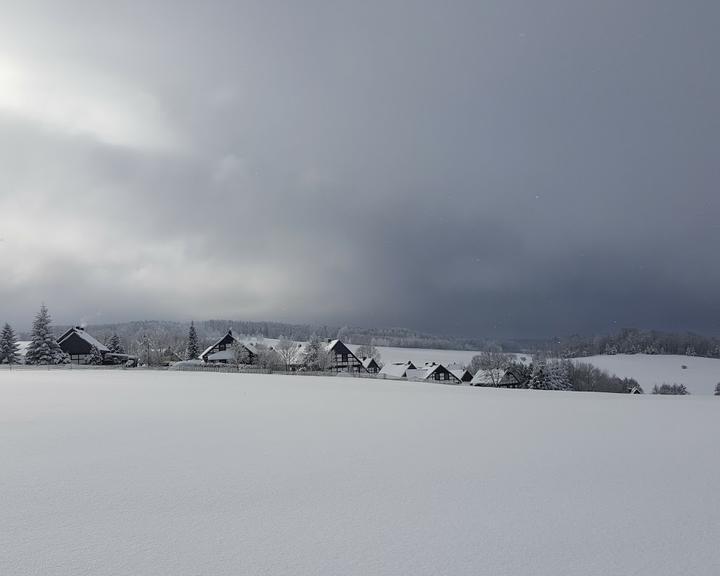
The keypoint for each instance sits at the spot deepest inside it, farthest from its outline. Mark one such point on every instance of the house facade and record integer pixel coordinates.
(342, 359)
(371, 365)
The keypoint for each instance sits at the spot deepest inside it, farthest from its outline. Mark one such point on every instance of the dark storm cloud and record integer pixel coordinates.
(497, 169)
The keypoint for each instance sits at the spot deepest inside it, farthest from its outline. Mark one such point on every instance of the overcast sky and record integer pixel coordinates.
(491, 168)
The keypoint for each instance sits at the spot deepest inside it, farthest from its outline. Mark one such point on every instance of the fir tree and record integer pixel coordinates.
(8, 346)
(95, 357)
(539, 379)
(192, 352)
(717, 389)
(43, 348)
(557, 375)
(115, 345)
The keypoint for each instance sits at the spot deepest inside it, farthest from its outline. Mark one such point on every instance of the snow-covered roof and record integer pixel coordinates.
(427, 371)
(85, 336)
(367, 362)
(397, 369)
(459, 373)
(330, 345)
(487, 377)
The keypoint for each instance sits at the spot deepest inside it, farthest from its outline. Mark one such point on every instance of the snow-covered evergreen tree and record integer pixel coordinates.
(8, 346)
(43, 348)
(717, 389)
(557, 375)
(95, 357)
(115, 346)
(539, 379)
(192, 352)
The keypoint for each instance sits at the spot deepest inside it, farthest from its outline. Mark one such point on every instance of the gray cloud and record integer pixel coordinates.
(491, 168)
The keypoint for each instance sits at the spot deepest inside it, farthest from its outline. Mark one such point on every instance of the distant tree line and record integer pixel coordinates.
(634, 341)
(671, 389)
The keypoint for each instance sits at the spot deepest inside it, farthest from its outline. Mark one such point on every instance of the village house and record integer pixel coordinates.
(78, 345)
(433, 371)
(397, 369)
(460, 372)
(371, 365)
(223, 351)
(498, 379)
(342, 358)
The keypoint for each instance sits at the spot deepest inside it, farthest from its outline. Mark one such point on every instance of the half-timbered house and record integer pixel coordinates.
(342, 359)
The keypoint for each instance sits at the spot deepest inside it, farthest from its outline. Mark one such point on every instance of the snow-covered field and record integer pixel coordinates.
(700, 376)
(183, 473)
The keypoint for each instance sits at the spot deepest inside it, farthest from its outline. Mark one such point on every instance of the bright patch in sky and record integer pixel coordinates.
(82, 102)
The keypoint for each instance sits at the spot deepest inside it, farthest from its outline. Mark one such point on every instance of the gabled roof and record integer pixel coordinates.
(461, 374)
(227, 338)
(397, 369)
(80, 332)
(369, 362)
(439, 367)
(427, 372)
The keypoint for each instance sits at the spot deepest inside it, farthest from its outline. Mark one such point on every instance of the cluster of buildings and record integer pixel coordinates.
(80, 346)
(342, 359)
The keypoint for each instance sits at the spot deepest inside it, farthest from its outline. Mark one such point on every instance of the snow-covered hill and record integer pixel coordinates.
(183, 473)
(700, 375)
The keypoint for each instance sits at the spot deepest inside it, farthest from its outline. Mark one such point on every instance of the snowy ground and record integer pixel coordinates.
(150, 473)
(700, 376)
